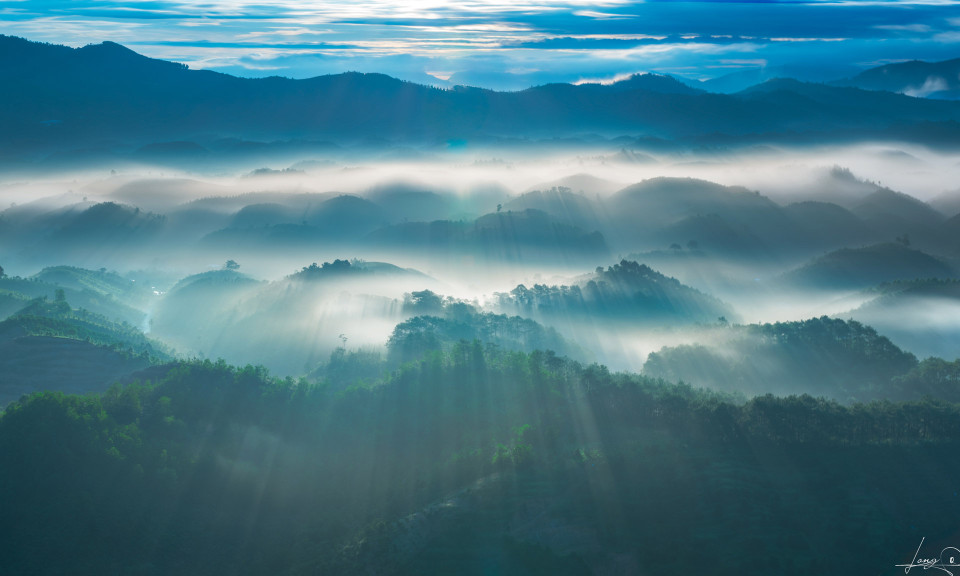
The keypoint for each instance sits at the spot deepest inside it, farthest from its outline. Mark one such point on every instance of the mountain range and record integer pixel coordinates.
(104, 96)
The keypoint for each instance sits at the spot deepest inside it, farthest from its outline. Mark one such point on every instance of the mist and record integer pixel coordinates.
(751, 235)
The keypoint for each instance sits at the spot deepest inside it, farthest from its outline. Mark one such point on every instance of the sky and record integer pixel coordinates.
(502, 44)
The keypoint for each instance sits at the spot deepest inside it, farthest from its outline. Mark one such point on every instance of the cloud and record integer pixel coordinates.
(917, 28)
(605, 81)
(561, 40)
(931, 85)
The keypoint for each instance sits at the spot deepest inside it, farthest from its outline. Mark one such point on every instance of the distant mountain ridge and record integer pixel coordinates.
(916, 78)
(62, 98)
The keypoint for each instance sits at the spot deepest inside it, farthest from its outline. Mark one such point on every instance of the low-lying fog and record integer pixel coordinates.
(219, 263)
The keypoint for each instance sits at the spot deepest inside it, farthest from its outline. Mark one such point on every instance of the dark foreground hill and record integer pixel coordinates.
(473, 461)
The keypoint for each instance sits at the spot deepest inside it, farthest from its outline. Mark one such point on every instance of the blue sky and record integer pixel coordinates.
(502, 44)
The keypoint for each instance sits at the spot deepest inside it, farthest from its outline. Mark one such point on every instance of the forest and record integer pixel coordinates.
(470, 460)
(356, 325)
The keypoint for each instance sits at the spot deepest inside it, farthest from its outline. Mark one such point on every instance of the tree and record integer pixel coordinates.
(59, 295)
(2, 273)
(231, 265)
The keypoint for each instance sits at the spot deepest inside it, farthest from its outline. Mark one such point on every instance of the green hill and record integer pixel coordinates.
(627, 292)
(49, 346)
(846, 361)
(100, 293)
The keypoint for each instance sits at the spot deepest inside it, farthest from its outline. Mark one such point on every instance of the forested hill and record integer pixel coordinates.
(838, 359)
(626, 292)
(47, 345)
(561, 468)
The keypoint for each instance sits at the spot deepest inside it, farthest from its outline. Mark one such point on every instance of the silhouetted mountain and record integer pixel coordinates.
(913, 78)
(846, 361)
(568, 206)
(503, 236)
(837, 185)
(108, 225)
(743, 79)
(345, 269)
(867, 266)
(951, 233)
(586, 184)
(823, 224)
(897, 212)
(918, 315)
(260, 215)
(678, 210)
(650, 83)
(892, 214)
(337, 219)
(402, 201)
(198, 307)
(62, 98)
(947, 202)
(161, 193)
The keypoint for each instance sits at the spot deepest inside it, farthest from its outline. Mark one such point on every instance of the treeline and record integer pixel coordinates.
(843, 360)
(534, 462)
(627, 291)
(44, 318)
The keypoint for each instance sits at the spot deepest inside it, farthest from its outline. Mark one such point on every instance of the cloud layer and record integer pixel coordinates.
(501, 44)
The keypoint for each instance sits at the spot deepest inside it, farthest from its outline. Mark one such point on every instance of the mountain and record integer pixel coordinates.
(867, 266)
(63, 99)
(560, 201)
(916, 78)
(627, 292)
(109, 285)
(893, 211)
(526, 235)
(827, 225)
(196, 309)
(99, 292)
(680, 210)
(846, 361)
(917, 315)
(583, 183)
(49, 346)
(743, 79)
(659, 83)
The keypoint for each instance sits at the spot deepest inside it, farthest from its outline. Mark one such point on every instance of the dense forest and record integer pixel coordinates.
(472, 460)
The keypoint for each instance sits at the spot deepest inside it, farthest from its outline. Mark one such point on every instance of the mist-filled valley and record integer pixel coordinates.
(353, 325)
(284, 266)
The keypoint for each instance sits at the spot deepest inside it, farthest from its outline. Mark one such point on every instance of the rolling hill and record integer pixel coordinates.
(49, 346)
(626, 293)
(868, 266)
